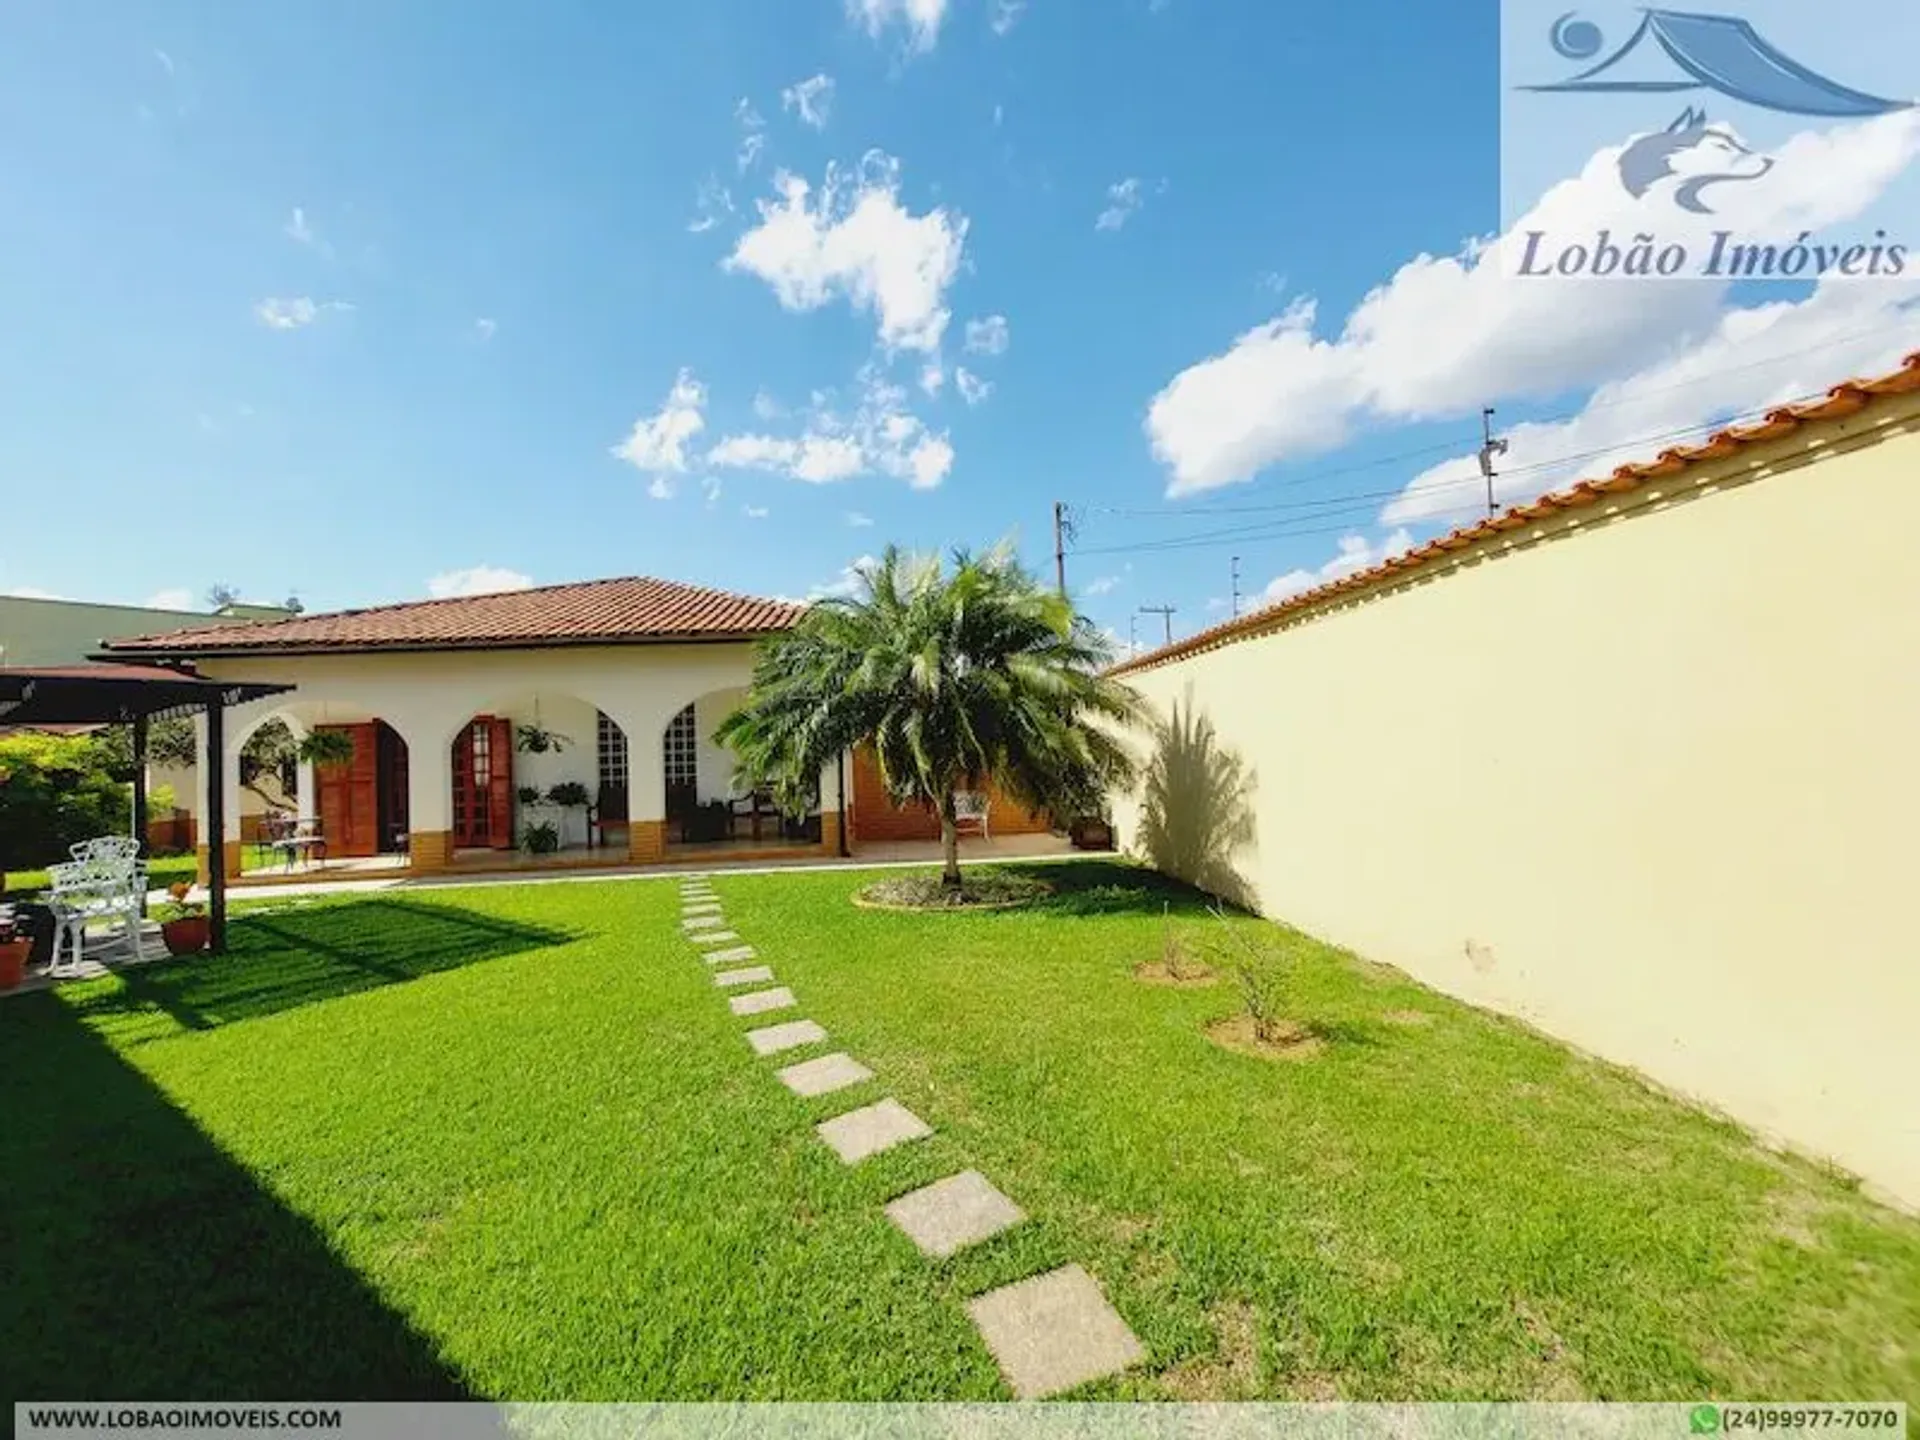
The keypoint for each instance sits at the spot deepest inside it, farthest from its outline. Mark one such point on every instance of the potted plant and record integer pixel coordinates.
(569, 795)
(541, 839)
(1091, 832)
(325, 748)
(184, 924)
(529, 795)
(14, 949)
(536, 739)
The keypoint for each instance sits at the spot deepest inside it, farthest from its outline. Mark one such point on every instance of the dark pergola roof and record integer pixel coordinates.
(113, 694)
(135, 694)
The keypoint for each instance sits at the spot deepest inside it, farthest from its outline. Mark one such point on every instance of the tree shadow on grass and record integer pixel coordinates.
(284, 959)
(143, 1262)
(1109, 887)
(1197, 815)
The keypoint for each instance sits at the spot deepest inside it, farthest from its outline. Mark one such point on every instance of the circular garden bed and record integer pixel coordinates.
(980, 890)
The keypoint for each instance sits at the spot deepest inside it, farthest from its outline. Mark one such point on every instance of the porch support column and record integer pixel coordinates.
(216, 782)
(833, 804)
(140, 726)
(429, 798)
(306, 800)
(646, 788)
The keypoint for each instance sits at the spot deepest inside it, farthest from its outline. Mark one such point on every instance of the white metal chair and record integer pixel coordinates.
(970, 807)
(108, 886)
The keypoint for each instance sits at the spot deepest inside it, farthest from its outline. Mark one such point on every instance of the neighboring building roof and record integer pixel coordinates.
(637, 610)
(38, 630)
(1842, 402)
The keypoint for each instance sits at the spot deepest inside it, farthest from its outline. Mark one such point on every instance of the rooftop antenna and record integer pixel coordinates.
(1491, 449)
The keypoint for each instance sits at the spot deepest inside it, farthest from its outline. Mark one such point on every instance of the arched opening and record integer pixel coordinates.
(345, 807)
(709, 806)
(541, 776)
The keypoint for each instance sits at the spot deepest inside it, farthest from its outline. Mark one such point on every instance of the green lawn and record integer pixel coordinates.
(507, 1141)
(162, 871)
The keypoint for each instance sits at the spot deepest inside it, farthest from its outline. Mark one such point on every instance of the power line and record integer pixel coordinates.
(1203, 511)
(1165, 612)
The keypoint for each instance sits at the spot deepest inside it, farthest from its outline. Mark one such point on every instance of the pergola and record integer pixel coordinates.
(136, 695)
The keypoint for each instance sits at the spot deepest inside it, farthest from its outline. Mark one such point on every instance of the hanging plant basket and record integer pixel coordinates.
(537, 740)
(326, 748)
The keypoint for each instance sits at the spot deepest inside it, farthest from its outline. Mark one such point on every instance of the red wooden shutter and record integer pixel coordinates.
(500, 784)
(363, 789)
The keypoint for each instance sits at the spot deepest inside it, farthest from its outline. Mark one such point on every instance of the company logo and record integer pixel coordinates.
(1697, 164)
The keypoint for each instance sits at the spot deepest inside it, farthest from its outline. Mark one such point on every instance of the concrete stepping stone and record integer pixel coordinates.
(761, 1001)
(710, 907)
(1053, 1332)
(872, 1128)
(824, 1075)
(702, 922)
(949, 1215)
(734, 979)
(772, 1039)
(712, 937)
(733, 956)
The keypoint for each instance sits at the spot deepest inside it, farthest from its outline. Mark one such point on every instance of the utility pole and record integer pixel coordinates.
(1062, 532)
(1236, 587)
(1133, 636)
(1165, 612)
(1490, 450)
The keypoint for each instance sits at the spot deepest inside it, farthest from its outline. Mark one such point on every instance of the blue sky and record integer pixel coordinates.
(368, 300)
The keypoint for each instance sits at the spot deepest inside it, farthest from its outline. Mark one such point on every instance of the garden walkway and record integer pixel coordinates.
(1050, 1332)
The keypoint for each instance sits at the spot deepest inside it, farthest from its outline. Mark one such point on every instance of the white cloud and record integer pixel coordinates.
(658, 442)
(1356, 553)
(301, 232)
(1753, 359)
(1123, 198)
(755, 512)
(921, 18)
(166, 60)
(177, 597)
(811, 99)
(710, 202)
(858, 242)
(479, 580)
(933, 376)
(879, 435)
(753, 136)
(295, 312)
(847, 583)
(1283, 392)
(765, 407)
(661, 487)
(1004, 15)
(859, 521)
(972, 388)
(989, 335)
(1105, 585)
(483, 329)
(32, 592)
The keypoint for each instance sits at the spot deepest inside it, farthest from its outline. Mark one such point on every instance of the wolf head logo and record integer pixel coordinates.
(1698, 153)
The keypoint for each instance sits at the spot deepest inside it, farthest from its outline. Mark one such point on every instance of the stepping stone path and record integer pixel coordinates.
(761, 1001)
(871, 1129)
(1048, 1333)
(1053, 1332)
(825, 1075)
(951, 1214)
(772, 1039)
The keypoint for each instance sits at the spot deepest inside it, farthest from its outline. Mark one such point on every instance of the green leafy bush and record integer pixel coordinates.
(541, 839)
(56, 790)
(569, 793)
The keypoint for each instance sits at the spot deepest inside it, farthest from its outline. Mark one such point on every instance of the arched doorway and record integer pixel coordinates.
(362, 803)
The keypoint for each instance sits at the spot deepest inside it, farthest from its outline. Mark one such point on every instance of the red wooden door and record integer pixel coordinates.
(349, 795)
(483, 785)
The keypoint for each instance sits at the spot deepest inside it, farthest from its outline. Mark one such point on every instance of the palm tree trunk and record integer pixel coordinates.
(950, 844)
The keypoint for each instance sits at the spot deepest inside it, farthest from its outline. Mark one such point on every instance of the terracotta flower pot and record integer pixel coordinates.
(185, 936)
(13, 962)
(1092, 835)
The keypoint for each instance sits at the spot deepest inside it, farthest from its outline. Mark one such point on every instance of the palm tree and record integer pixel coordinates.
(954, 678)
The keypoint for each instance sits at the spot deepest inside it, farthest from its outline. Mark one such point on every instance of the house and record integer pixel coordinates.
(462, 714)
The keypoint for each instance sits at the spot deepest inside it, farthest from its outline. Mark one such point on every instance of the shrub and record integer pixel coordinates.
(55, 790)
(568, 793)
(1262, 973)
(541, 839)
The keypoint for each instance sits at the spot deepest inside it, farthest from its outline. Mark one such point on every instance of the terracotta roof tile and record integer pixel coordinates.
(628, 611)
(1841, 402)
